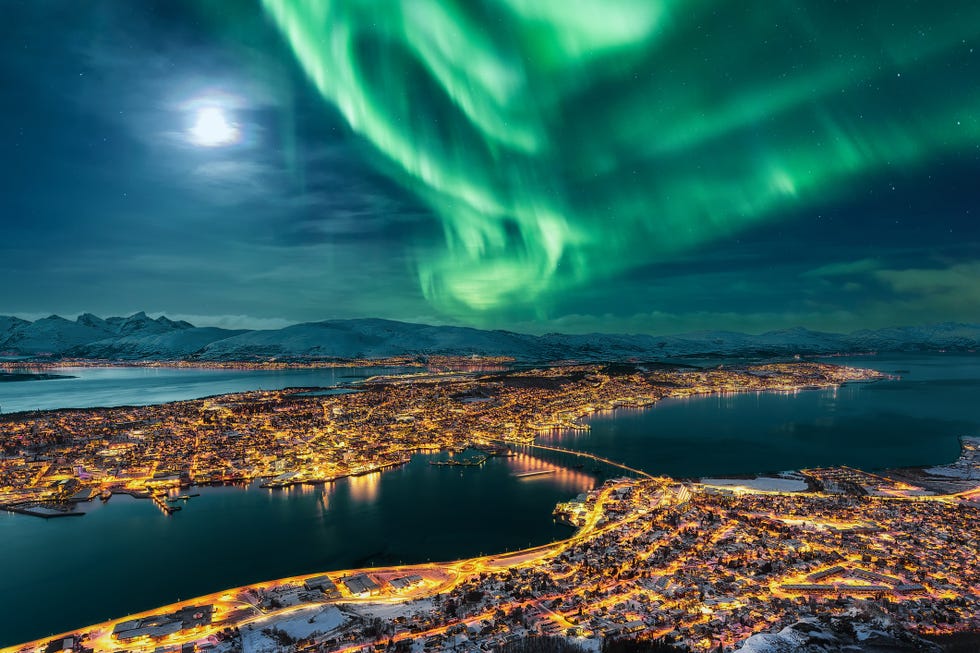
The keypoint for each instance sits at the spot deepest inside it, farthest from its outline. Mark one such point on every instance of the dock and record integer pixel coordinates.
(43, 512)
(161, 502)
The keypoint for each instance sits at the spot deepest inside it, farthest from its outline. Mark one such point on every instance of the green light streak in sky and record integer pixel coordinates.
(564, 140)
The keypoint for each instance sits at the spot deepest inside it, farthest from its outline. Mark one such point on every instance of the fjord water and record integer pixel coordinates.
(126, 556)
(913, 421)
(142, 386)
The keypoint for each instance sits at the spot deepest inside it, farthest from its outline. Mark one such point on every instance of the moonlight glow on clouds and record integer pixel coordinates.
(211, 120)
(562, 141)
(212, 128)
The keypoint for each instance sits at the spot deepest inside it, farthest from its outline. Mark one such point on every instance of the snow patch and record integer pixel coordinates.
(769, 483)
(297, 625)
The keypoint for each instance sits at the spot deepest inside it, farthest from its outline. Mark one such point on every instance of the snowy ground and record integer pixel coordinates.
(392, 610)
(966, 467)
(760, 483)
(298, 625)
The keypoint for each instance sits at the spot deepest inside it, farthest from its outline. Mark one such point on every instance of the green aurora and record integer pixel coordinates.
(562, 141)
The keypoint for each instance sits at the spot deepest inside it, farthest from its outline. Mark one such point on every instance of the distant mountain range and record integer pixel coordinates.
(139, 337)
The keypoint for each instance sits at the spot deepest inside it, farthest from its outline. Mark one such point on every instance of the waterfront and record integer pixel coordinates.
(143, 386)
(914, 421)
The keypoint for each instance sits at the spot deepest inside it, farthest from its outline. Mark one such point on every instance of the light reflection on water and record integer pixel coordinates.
(365, 488)
(567, 479)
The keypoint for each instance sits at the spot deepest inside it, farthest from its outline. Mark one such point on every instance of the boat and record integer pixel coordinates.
(182, 497)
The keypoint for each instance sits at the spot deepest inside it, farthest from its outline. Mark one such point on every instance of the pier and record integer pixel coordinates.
(160, 501)
(43, 512)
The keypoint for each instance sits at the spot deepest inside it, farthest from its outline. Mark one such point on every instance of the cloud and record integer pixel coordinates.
(845, 268)
(933, 294)
(30, 316)
(665, 322)
(962, 279)
(228, 321)
(232, 182)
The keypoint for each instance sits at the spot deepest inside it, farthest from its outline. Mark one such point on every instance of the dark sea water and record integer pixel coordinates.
(916, 420)
(126, 556)
(142, 386)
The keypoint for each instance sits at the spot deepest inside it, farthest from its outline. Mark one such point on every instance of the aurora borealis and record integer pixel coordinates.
(558, 141)
(532, 164)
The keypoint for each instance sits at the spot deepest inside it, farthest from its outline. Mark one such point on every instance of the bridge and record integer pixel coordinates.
(582, 454)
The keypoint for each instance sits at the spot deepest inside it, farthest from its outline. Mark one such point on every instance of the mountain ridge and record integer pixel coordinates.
(139, 337)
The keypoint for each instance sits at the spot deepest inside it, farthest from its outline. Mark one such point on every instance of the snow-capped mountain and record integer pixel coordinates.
(946, 335)
(89, 336)
(139, 337)
(50, 335)
(169, 345)
(368, 338)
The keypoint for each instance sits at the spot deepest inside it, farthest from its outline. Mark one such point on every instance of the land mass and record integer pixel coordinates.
(141, 338)
(857, 556)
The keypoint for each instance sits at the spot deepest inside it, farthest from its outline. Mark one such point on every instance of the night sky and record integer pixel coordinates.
(535, 165)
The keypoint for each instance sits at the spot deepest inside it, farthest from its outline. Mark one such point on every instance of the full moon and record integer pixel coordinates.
(213, 129)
